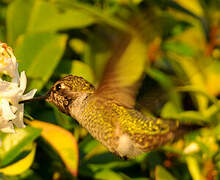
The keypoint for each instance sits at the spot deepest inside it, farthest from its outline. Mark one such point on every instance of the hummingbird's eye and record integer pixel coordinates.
(58, 87)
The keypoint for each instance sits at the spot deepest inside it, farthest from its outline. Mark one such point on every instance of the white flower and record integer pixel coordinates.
(8, 64)
(11, 112)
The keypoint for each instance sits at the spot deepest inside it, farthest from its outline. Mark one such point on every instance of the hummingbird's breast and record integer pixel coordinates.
(98, 117)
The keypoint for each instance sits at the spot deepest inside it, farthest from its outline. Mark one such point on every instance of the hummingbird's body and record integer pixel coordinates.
(124, 131)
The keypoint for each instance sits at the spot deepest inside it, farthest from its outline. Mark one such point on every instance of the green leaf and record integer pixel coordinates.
(108, 175)
(18, 15)
(83, 70)
(13, 144)
(170, 111)
(76, 68)
(46, 17)
(161, 77)
(40, 54)
(99, 14)
(179, 48)
(87, 145)
(62, 141)
(21, 165)
(32, 16)
(191, 116)
(165, 81)
(162, 174)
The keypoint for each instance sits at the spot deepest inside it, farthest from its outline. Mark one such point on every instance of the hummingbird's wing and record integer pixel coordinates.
(123, 71)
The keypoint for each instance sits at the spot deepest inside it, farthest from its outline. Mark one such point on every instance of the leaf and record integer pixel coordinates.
(46, 18)
(40, 54)
(192, 70)
(62, 141)
(87, 145)
(18, 14)
(213, 76)
(165, 81)
(83, 70)
(170, 111)
(99, 14)
(76, 68)
(179, 48)
(77, 45)
(193, 167)
(13, 144)
(193, 6)
(162, 174)
(108, 175)
(191, 116)
(32, 16)
(21, 165)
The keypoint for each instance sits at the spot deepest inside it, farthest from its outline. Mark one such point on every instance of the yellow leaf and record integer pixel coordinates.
(62, 141)
(192, 5)
(212, 78)
(193, 167)
(21, 165)
(193, 37)
(81, 69)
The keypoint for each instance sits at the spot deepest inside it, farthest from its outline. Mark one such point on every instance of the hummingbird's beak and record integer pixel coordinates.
(35, 99)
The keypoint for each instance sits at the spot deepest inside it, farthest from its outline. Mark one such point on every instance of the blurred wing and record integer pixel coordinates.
(123, 70)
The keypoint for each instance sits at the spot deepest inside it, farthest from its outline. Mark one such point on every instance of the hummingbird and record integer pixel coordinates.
(108, 111)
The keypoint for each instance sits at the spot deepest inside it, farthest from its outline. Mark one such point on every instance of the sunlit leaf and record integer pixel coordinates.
(193, 167)
(170, 111)
(18, 18)
(213, 76)
(162, 174)
(192, 5)
(39, 55)
(62, 141)
(191, 116)
(77, 45)
(98, 150)
(195, 77)
(108, 175)
(179, 48)
(100, 15)
(21, 165)
(186, 43)
(87, 145)
(76, 68)
(13, 144)
(83, 70)
(40, 16)
(46, 18)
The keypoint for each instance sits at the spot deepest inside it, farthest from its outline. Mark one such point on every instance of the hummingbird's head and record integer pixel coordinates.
(68, 90)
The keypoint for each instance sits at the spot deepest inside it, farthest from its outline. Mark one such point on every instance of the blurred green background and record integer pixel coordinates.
(53, 38)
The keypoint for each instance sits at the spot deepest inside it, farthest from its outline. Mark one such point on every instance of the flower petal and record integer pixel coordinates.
(13, 109)
(29, 95)
(8, 89)
(9, 128)
(23, 81)
(18, 121)
(7, 113)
